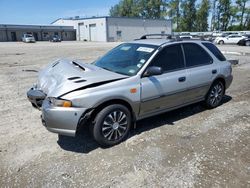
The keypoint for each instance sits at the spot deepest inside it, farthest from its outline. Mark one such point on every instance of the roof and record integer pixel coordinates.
(99, 17)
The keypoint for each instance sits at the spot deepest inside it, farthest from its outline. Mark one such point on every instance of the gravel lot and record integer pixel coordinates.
(189, 147)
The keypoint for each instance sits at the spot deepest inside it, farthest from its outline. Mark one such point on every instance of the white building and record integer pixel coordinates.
(109, 29)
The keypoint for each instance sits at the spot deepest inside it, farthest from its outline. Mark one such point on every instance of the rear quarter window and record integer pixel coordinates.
(217, 53)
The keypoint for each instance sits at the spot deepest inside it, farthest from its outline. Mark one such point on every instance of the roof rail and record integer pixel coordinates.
(168, 36)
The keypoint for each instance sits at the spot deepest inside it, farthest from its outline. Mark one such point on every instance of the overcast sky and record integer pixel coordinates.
(46, 11)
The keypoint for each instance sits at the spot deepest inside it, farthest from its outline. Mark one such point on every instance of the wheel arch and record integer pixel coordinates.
(90, 114)
(219, 78)
(106, 103)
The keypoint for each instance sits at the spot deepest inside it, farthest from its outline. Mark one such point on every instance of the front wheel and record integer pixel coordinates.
(215, 95)
(112, 125)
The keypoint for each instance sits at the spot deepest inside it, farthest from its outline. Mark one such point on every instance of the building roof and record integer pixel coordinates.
(98, 17)
(16, 26)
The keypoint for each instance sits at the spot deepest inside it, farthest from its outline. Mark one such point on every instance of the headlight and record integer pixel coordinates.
(60, 102)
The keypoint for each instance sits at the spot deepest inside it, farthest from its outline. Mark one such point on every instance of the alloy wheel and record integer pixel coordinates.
(115, 125)
(216, 94)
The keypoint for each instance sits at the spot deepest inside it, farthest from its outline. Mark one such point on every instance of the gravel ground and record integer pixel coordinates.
(189, 147)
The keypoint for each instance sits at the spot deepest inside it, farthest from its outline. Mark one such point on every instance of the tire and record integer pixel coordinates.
(247, 43)
(112, 125)
(215, 95)
(221, 42)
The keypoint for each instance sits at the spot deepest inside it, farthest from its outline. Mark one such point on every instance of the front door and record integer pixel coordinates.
(167, 90)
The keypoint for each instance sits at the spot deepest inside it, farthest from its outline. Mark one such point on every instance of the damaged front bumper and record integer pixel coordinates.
(36, 97)
(61, 120)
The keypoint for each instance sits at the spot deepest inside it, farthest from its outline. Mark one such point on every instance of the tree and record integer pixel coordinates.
(214, 15)
(152, 8)
(139, 8)
(187, 22)
(174, 12)
(224, 14)
(125, 8)
(242, 8)
(202, 16)
(234, 17)
(247, 20)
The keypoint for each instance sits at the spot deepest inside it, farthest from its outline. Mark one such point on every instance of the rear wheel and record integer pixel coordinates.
(247, 43)
(112, 125)
(215, 94)
(221, 42)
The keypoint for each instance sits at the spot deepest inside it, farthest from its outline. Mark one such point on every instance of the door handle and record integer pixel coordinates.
(214, 71)
(182, 79)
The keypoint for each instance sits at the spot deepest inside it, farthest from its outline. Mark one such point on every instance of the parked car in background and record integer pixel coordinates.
(229, 39)
(55, 38)
(28, 38)
(185, 36)
(133, 81)
(245, 41)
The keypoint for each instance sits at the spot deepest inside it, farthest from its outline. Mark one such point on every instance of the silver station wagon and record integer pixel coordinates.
(133, 81)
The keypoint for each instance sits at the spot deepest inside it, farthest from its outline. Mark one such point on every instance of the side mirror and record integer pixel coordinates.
(153, 71)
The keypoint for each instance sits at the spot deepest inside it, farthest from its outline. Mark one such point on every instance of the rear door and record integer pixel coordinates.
(166, 90)
(233, 39)
(200, 71)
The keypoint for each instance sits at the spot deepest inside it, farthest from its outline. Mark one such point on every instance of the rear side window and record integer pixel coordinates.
(170, 58)
(196, 55)
(217, 53)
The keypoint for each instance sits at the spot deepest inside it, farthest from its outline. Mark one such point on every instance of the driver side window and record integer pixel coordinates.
(169, 59)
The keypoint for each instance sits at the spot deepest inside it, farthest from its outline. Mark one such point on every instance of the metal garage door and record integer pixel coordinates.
(92, 32)
(81, 30)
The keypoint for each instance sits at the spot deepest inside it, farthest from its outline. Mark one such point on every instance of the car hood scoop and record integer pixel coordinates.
(65, 76)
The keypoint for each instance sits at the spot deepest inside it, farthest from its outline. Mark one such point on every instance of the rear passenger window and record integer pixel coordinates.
(212, 48)
(196, 55)
(170, 58)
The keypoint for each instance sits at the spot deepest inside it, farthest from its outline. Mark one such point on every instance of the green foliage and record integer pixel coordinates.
(174, 12)
(187, 15)
(224, 14)
(126, 8)
(241, 5)
(202, 16)
(139, 8)
(187, 22)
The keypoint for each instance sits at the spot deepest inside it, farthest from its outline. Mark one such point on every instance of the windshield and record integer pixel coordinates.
(126, 58)
(28, 35)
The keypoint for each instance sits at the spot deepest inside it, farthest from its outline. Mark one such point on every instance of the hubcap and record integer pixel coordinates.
(114, 125)
(216, 94)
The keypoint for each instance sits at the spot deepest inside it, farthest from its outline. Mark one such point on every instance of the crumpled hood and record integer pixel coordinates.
(64, 76)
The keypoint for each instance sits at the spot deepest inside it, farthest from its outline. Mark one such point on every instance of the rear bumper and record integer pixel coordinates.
(61, 120)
